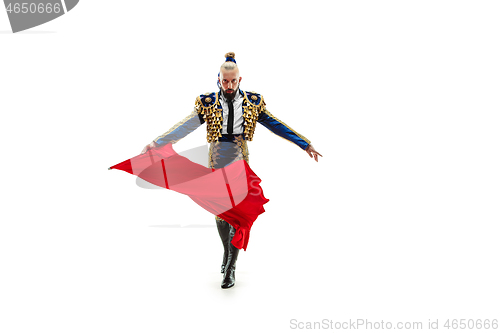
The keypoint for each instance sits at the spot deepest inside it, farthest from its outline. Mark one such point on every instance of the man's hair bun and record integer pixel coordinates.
(229, 54)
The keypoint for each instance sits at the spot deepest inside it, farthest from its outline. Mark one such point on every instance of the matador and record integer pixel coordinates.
(231, 115)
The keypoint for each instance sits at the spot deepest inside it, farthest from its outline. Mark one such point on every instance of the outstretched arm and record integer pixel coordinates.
(181, 129)
(178, 131)
(281, 129)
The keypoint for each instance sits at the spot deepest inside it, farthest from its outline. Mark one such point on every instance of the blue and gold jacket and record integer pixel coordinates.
(208, 109)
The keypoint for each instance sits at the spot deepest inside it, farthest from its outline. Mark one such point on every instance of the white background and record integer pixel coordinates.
(397, 222)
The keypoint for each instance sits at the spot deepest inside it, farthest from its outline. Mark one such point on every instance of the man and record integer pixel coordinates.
(231, 115)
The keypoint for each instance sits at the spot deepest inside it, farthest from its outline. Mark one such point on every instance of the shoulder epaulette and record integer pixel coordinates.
(206, 105)
(254, 98)
(255, 105)
(207, 99)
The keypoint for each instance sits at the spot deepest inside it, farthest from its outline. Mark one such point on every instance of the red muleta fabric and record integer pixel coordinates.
(233, 193)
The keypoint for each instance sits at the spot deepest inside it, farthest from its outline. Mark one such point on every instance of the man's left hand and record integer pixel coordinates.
(312, 152)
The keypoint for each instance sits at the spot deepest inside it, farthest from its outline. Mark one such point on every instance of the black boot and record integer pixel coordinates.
(223, 228)
(229, 276)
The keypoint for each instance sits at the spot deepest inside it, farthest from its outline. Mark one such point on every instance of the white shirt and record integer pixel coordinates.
(238, 113)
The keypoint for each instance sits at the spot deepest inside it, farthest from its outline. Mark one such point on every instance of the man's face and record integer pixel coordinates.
(229, 81)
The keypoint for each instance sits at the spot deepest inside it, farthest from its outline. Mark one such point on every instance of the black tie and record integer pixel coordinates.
(230, 118)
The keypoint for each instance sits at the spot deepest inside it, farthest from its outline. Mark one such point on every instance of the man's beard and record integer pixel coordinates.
(230, 96)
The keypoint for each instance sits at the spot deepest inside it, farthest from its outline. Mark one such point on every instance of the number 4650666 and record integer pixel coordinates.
(34, 8)
(471, 324)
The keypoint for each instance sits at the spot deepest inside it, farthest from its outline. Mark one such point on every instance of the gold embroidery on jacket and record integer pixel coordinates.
(232, 151)
(251, 113)
(212, 115)
(242, 153)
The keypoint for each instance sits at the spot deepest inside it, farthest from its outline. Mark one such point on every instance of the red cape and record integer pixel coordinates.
(233, 193)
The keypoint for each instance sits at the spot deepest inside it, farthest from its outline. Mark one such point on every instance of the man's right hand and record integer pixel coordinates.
(148, 147)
